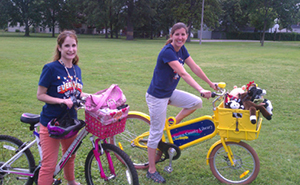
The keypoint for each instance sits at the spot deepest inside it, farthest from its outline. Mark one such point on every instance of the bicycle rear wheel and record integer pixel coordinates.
(125, 171)
(246, 162)
(25, 164)
(135, 126)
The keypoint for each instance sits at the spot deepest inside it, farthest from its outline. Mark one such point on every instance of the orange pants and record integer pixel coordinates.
(50, 149)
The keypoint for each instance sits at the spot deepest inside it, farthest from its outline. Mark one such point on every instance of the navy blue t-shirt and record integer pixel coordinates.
(165, 79)
(55, 78)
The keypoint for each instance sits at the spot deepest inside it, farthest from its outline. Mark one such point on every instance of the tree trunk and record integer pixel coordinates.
(26, 29)
(151, 31)
(53, 30)
(117, 34)
(202, 15)
(189, 31)
(265, 25)
(106, 34)
(263, 35)
(111, 31)
(129, 34)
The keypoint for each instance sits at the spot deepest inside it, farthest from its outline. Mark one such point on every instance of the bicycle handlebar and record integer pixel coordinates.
(221, 92)
(78, 103)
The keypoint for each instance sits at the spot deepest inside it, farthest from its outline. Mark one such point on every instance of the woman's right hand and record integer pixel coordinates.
(205, 93)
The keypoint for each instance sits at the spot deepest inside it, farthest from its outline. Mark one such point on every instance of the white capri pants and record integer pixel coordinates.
(158, 111)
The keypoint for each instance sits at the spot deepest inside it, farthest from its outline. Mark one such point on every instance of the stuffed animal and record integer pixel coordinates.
(247, 99)
(237, 90)
(256, 93)
(257, 96)
(232, 104)
(234, 96)
(268, 106)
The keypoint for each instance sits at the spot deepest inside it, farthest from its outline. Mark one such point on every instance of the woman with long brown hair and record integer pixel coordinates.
(60, 80)
(162, 90)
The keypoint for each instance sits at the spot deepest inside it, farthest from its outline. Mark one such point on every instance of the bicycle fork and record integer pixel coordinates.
(98, 151)
(228, 151)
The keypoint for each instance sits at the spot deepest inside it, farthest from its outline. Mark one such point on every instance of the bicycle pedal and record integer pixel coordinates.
(168, 169)
(57, 181)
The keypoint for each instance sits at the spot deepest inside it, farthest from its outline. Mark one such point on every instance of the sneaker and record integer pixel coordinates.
(156, 177)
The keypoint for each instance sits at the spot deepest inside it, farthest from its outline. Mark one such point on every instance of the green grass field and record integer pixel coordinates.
(274, 67)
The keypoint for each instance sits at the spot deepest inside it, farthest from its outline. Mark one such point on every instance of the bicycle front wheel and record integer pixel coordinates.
(15, 172)
(246, 163)
(125, 173)
(135, 126)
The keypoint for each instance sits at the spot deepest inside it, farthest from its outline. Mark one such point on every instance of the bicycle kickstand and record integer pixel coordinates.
(171, 153)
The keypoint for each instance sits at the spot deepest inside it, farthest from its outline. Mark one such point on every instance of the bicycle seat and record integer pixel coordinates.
(30, 118)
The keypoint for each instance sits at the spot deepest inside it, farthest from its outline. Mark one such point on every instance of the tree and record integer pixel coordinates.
(117, 14)
(134, 12)
(288, 13)
(164, 16)
(25, 12)
(4, 15)
(234, 16)
(189, 12)
(98, 14)
(50, 13)
(70, 14)
(144, 19)
(264, 12)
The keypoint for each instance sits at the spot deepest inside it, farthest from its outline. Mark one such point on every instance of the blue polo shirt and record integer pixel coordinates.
(165, 79)
(55, 78)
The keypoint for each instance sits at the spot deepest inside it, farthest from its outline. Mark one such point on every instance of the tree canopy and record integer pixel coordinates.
(148, 18)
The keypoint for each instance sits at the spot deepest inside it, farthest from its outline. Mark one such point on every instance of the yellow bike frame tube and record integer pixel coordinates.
(139, 114)
(215, 144)
(138, 138)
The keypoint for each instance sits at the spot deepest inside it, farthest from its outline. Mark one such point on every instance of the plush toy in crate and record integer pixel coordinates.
(233, 104)
(237, 90)
(251, 100)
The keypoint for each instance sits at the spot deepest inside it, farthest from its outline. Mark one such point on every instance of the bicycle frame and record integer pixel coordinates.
(230, 159)
(60, 165)
(71, 150)
(193, 131)
(183, 128)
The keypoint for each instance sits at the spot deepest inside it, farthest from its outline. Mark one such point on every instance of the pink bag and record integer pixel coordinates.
(112, 98)
(106, 107)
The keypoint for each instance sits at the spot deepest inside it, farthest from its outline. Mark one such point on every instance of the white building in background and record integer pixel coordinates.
(296, 28)
(14, 28)
(46, 30)
(39, 29)
(83, 29)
